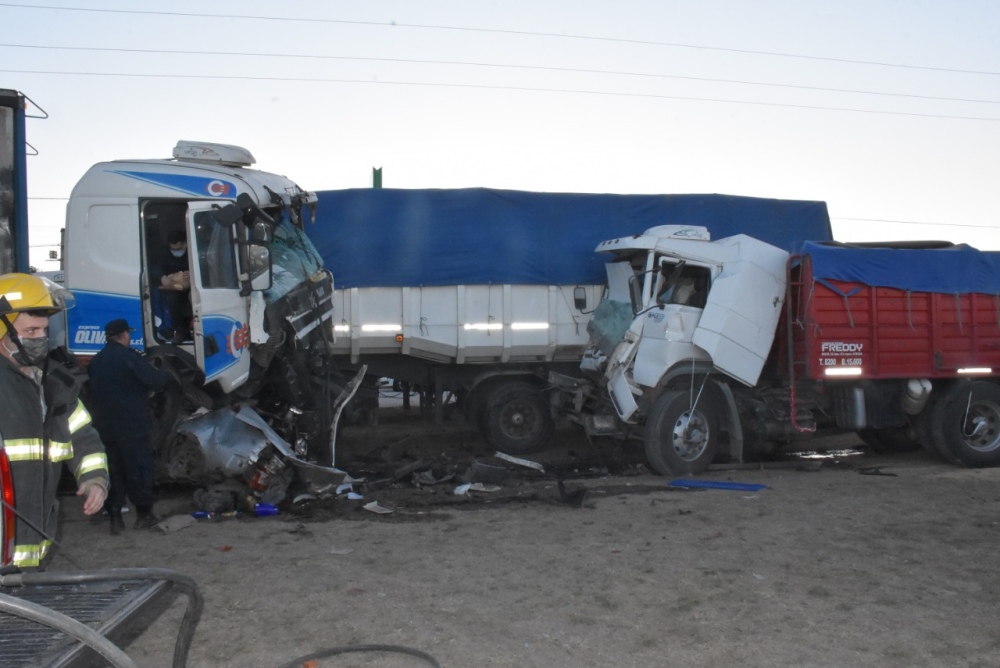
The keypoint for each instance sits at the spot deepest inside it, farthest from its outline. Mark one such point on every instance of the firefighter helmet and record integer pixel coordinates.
(29, 292)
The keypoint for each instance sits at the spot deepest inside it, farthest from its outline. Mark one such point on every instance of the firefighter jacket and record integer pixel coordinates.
(40, 432)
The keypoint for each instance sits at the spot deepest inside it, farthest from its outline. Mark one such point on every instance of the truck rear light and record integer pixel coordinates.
(8, 520)
(975, 371)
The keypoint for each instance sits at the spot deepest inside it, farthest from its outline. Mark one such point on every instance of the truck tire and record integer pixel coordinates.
(518, 420)
(922, 430)
(966, 423)
(679, 442)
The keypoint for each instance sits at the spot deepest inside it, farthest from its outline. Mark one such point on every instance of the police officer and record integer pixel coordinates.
(118, 393)
(42, 421)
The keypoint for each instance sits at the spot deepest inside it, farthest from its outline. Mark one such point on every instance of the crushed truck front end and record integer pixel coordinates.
(248, 320)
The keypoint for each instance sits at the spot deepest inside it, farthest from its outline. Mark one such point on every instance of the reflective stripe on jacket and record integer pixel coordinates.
(37, 445)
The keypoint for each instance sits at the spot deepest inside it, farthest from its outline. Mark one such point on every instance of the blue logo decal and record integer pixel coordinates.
(200, 186)
(85, 321)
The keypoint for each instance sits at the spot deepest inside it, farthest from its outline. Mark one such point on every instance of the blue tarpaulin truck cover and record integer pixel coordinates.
(409, 238)
(951, 270)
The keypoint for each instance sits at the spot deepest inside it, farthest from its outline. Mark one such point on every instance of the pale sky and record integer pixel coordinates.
(888, 110)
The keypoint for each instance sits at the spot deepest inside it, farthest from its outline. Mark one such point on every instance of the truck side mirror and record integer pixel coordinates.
(580, 298)
(635, 293)
(227, 216)
(260, 267)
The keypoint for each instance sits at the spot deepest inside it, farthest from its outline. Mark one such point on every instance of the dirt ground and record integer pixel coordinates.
(854, 560)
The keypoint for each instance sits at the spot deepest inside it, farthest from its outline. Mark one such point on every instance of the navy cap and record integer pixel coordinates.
(116, 327)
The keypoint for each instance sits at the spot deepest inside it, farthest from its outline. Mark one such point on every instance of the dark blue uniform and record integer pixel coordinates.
(120, 382)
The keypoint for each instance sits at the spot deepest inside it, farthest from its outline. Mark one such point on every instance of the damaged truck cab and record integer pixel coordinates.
(730, 348)
(248, 315)
(682, 313)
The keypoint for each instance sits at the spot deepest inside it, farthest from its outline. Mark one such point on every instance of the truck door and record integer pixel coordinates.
(221, 314)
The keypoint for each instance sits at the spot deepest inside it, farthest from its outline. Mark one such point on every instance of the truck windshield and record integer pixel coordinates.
(295, 259)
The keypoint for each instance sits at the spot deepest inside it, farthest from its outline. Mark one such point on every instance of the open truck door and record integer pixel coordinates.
(220, 323)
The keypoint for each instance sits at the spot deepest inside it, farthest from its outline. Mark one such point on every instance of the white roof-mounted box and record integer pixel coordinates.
(209, 153)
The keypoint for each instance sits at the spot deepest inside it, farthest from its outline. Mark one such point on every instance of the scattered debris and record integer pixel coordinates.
(215, 500)
(341, 550)
(176, 523)
(481, 471)
(264, 510)
(875, 470)
(374, 507)
(520, 462)
(716, 484)
(475, 487)
(572, 498)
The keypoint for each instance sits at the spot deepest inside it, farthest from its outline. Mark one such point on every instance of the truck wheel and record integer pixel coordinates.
(922, 430)
(518, 420)
(966, 422)
(679, 441)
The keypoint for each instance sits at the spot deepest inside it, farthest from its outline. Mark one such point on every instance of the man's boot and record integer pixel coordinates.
(117, 523)
(145, 519)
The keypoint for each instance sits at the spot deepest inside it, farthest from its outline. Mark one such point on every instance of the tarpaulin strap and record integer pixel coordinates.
(909, 309)
(958, 310)
(845, 295)
(996, 308)
(423, 318)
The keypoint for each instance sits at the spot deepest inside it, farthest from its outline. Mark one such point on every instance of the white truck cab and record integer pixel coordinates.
(686, 299)
(119, 219)
(248, 319)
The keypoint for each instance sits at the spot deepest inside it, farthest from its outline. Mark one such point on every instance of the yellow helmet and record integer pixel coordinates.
(27, 292)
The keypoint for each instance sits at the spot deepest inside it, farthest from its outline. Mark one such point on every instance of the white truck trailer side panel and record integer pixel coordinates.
(464, 323)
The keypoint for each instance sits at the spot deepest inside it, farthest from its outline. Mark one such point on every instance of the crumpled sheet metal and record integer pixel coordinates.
(231, 437)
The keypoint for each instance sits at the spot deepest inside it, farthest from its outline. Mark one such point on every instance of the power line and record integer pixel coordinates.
(572, 70)
(217, 77)
(525, 33)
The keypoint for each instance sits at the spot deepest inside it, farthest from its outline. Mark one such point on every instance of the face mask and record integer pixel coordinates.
(178, 253)
(35, 352)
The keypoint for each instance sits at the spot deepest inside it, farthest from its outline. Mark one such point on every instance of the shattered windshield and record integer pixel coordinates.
(294, 258)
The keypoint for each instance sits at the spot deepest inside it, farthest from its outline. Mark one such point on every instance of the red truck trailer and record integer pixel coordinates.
(906, 341)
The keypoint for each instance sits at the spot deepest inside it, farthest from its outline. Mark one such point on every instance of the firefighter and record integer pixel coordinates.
(43, 423)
